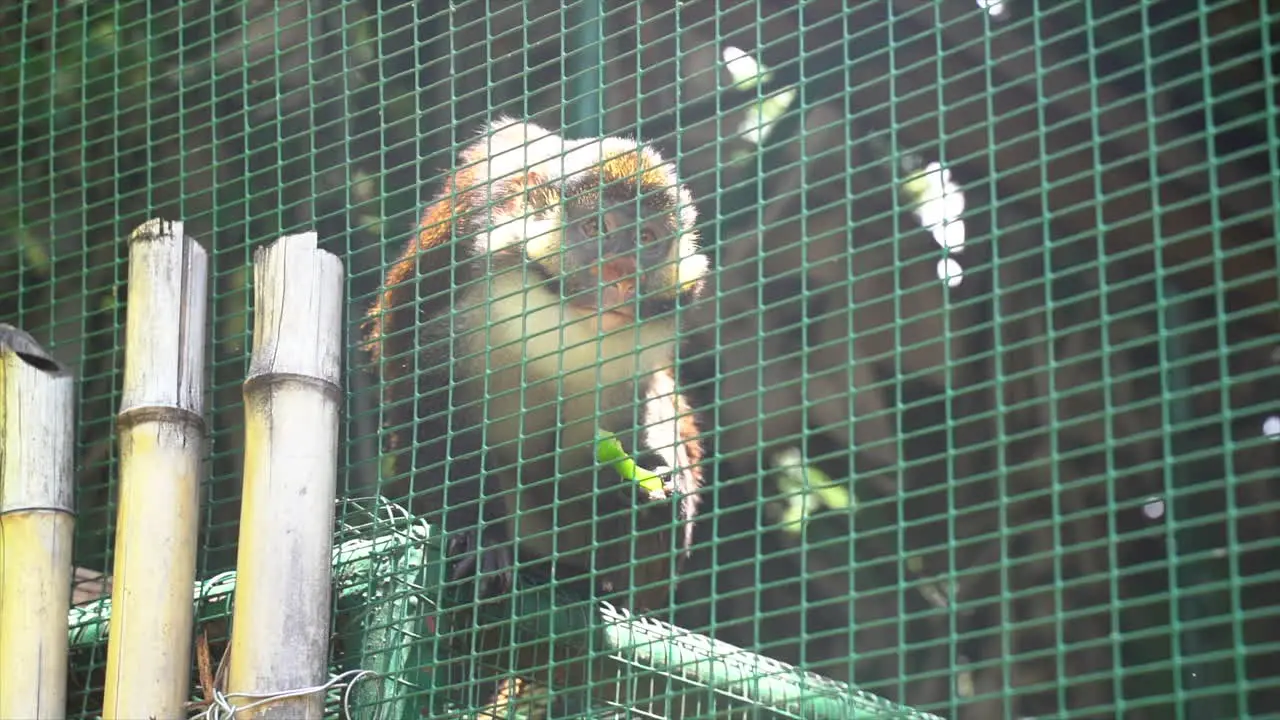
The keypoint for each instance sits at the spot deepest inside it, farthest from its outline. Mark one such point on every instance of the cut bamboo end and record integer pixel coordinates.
(297, 316)
(161, 429)
(37, 522)
(36, 427)
(165, 319)
(281, 622)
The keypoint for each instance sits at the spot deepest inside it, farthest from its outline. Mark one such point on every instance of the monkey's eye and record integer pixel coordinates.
(647, 236)
(592, 227)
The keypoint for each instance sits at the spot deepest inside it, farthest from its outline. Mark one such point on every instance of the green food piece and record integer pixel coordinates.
(813, 489)
(609, 451)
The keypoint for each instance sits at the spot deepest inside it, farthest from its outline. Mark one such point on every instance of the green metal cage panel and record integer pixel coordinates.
(988, 375)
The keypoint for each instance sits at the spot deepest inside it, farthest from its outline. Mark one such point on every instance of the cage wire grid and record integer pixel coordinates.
(985, 368)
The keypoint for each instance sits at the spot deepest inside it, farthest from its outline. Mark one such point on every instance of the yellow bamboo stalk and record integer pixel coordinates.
(280, 624)
(161, 429)
(37, 519)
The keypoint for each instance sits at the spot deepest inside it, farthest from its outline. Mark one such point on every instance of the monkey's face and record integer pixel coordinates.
(610, 258)
(620, 258)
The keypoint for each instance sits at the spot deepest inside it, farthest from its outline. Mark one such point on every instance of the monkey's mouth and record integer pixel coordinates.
(611, 289)
(617, 300)
(611, 304)
(619, 297)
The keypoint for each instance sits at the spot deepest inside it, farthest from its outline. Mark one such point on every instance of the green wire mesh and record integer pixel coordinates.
(990, 386)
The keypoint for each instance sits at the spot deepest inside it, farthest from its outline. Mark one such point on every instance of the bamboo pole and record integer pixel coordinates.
(37, 517)
(161, 428)
(280, 624)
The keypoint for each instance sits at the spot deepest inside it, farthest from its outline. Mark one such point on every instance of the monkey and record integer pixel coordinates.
(534, 308)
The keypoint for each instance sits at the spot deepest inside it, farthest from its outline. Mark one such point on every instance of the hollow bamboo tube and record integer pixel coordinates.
(280, 625)
(161, 429)
(37, 518)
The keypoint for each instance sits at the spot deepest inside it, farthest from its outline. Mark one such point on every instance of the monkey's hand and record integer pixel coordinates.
(485, 554)
(663, 486)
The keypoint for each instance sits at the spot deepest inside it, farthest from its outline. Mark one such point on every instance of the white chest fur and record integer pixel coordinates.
(550, 365)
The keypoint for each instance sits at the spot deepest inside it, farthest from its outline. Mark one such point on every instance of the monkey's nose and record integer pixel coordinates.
(618, 280)
(618, 270)
(617, 297)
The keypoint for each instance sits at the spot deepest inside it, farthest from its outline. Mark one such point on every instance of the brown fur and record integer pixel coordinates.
(635, 171)
(440, 223)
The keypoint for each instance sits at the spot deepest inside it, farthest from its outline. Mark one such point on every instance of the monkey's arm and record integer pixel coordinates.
(689, 476)
(667, 444)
